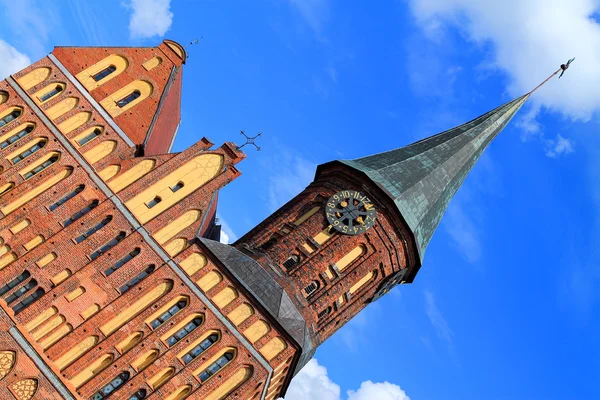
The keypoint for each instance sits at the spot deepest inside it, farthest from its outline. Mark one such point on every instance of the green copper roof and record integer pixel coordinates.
(423, 177)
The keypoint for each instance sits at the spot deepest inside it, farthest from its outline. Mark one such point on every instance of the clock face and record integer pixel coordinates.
(350, 212)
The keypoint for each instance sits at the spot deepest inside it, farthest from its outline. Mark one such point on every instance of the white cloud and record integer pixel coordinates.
(12, 60)
(150, 18)
(227, 234)
(530, 39)
(442, 329)
(312, 383)
(291, 175)
(559, 146)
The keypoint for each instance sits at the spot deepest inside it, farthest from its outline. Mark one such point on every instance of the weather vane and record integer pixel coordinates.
(250, 140)
(193, 42)
(561, 69)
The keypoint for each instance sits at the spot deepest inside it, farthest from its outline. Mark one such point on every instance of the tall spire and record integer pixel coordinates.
(423, 177)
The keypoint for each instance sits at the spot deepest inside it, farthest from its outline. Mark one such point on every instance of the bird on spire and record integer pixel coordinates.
(564, 67)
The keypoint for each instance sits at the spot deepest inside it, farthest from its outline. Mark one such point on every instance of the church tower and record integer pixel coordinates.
(113, 284)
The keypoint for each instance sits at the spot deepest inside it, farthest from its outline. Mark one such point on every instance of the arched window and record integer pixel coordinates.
(51, 93)
(164, 317)
(291, 261)
(183, 332)
(153, 202)
(137, 279)
(108, 245)
(10, 117)
(176, 187)
(66, 198)
(21, 134)
(89, 137)
(112, 386)
(13, 297)
(36, 147)
(41, 167)
(104, 73)
(139, 395)
(311, 288)
(200, 348)
(129, 98)
(81, 213)
(324, 312)
(122, 261)
(216, 366)
(14, 283)
(93, 230)
(29, 300)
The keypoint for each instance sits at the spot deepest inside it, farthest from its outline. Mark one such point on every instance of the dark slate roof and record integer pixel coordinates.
(423, 177)
(268, 292)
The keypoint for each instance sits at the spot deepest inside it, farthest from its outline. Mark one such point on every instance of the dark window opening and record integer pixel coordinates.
(291, 262)
(13, 297)
(68, 197)
(90, 136)
(14, 283)
(41, 167)
(122, 261)
(17, 159)
(183, 332)
(47, 96)
(80, 213)
(200, 348)
(137, 279)
(216, 366)
(95, 229)
(311, 288)
(153, 202)
(108, 245)
(10, 117)
(324, 312)
(176, 187)
(139, 395)
(164, 317)
(112, 386)
(29, 300)
(21, 134)
(104, 73)
(129, 98)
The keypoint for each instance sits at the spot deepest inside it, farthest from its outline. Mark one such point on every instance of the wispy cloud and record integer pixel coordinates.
(313, 383)
(93, 30)
(30, 23)
(332, 73)
(150, 18)
(559, 146)
(438, 321)
(314, 12)
(227, 234)
(12, 60)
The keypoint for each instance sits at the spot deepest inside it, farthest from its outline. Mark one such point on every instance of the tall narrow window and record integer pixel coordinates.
(89, 137)
(10, 117)
(93, 230)
(22, 133)
(183, 332)
(48, 95)
(201, 348)
(176, 187)
(29, 300)
(17, 159)
(311, 288)
(80, 213)
(137, 279)
(108, 245)
(129, 98)
(122, 261)
(66, 198)
(41, 167)
(216, 366)
(112, 386)
(164, 317)
(153, 202)
(13, 297)
(14, 283)
(139, 395)
(104, 73)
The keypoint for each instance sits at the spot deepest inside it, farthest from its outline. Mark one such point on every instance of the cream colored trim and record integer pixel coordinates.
(100, 151)
(47, 89)
(131, 175)
(111, 105)
(74, 122)
(36, 191)
(86, 77)
(17, 130)
(129, 342)
(193, 263)
(61, 108)
(40, 319)
(75, 352)
(152, 63)
(174, 227)
(91, 370)
(235, 381)
(34, 77)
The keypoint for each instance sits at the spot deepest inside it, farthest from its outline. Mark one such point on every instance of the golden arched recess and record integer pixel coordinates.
(100, 151)
(193, 263)
(55, 336)
(16, 130)
(59, 87)
(40, 318)
(74, 122)
(25, 389)
(240, 313)
(3, 96)
(176, 226)
(144, 360)
(6, 187)
(131, 175)
(61, 108)
(109, 172)
(7, 259)
(33, 78)
(351, 256)
(231, 384)
(110, 103)
(93, 369)
(36, 191)
(7, 361)
(225, 296)
(10, 111)
(4, 249)
(47, 327)
(129, 342)
(192, 174)
(161, 377)
(209, 280)
(257, 330)
(86, 76)
(273, 348)
(175, 246)
(26, 146)
(177, 49)
(75, 352)
(356, 287)
(150, 297)
(180, 394)
(152, 63)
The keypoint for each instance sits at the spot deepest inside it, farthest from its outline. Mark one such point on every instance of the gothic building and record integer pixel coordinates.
(113, 283)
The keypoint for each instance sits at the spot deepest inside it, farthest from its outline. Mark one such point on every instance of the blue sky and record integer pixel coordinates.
(507, 304)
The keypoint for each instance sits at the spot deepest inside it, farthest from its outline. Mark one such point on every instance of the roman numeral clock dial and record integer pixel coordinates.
(350, 212)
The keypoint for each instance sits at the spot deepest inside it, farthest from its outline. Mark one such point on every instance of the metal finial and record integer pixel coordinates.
(193, 42)
(250, 140)
(563, 68)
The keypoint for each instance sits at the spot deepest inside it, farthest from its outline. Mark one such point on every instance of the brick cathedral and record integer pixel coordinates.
(113, 282)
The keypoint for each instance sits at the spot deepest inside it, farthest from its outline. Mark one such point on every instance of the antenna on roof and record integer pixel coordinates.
(250, 140)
